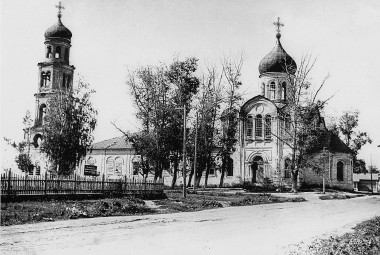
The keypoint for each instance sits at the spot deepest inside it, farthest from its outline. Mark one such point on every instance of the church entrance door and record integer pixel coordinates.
(257, 168)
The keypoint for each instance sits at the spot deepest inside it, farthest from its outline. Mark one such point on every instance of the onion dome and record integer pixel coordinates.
(58, 30)
(277, 60)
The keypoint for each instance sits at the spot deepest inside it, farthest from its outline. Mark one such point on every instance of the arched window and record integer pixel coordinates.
(249, 126)
(64, 81)
(48, 51)
(58, 52)
(110, 166)
(45, 78)
(67, 50)
(339, 171)
(268, 127)
(48, 75)
(37, 140)
(42, 79)
(42, 113)
(118, 166)
(287, 166)
(272, 93)
(283, 91)
(259, 126)
(68, 81)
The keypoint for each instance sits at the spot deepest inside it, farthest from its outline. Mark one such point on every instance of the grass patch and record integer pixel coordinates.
(337, 196)
(210, 200)
(263, 199)
(40, 211)
(364, 240)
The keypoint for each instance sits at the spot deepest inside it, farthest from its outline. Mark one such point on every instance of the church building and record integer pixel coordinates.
(261, 155)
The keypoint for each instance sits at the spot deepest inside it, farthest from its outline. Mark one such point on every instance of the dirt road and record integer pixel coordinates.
(260, 229)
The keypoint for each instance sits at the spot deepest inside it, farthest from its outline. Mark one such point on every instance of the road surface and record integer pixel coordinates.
(259, 229)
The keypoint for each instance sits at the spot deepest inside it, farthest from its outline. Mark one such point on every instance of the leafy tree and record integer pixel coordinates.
(158, 94)
(232, 74)
(23, 159)
(69, 123)
(207, 104)
(353, 138)
(373, 169)
(302, 125)
(347, 128)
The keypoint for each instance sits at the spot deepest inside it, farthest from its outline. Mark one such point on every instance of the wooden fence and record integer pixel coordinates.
(13, 185)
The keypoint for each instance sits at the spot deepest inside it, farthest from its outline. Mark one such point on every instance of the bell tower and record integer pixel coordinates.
(55, 75)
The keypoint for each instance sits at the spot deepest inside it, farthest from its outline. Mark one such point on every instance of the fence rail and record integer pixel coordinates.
(12, 185)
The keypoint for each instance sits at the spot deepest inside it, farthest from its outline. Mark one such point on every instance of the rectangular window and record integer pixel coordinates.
(272, 91)
(212, 170)
(268, 127)
(259, 126)
(136, 167)
(249, 127)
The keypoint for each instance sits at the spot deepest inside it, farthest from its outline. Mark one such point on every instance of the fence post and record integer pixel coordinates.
(103, 184)
(25, 183)
(75, 183)
(9, 182)
(45, 190)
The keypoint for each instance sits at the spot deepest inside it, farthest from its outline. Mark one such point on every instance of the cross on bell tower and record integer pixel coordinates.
(59, 7)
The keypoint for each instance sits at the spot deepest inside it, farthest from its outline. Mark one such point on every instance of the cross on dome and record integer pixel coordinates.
(59, 7)
(278, 24)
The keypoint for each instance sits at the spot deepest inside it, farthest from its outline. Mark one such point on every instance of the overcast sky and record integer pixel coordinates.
(112, 37)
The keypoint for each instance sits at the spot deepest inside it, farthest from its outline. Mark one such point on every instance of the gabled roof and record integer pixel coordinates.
(333, 143)
(112, 144)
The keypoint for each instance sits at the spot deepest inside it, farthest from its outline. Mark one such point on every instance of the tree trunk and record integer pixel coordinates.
(206, 178)
(222, 173)
(174, 180)
(198, 177)
(294, 181)
(190, 178)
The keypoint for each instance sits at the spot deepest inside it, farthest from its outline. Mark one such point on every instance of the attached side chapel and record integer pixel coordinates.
(259, 152)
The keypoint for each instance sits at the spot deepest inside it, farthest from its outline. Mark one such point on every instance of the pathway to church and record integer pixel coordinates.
(260, 229)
